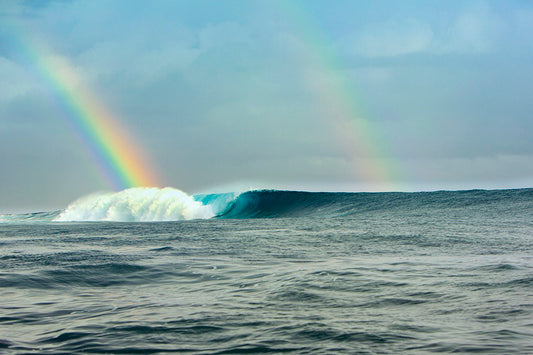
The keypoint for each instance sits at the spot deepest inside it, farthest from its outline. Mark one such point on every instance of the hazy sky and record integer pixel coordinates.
(305, 95)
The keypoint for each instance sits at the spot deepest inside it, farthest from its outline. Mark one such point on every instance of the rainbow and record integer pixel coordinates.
(118, 158)
(337, 99)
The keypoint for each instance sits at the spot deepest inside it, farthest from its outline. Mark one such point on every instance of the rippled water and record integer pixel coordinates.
(372, 283)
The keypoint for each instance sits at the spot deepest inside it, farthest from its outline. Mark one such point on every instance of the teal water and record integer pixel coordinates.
(278, 272)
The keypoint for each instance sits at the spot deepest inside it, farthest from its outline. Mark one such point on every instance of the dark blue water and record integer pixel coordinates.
(277, 272)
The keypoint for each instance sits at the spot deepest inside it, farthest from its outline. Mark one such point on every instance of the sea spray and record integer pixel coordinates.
(140, 204)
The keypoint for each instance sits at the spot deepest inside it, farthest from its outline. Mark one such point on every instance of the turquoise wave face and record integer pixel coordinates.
(276, 204)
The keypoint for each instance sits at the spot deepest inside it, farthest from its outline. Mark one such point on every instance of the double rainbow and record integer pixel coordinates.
(121, 162)
(119, 159)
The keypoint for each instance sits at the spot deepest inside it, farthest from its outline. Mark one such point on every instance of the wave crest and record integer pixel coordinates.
(169, 204)
(139, 204)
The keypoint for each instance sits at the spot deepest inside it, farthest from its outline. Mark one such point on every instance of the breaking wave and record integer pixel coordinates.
(168, 204)
(140, 204)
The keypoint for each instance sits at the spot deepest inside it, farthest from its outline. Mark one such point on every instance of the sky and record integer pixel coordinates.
(300, 95)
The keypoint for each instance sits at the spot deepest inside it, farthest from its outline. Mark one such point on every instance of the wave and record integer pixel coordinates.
(275, 203)
(140, 204)
(29, 217)
(168, 204)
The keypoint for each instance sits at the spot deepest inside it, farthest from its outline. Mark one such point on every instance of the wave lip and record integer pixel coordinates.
(139, 204)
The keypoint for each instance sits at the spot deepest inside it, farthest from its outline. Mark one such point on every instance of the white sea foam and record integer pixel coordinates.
(140, 204)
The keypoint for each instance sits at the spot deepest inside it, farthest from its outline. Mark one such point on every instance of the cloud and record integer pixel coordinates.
(16, 81)
(388, 39)
(475, 30)
(523, 19)
(461, 173)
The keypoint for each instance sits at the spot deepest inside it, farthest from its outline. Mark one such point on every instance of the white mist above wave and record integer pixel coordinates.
(140, 204)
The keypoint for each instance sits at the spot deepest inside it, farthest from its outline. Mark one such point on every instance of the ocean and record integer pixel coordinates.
(157, 271)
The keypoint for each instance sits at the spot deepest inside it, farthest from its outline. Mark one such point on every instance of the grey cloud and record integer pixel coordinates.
(512, 171)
